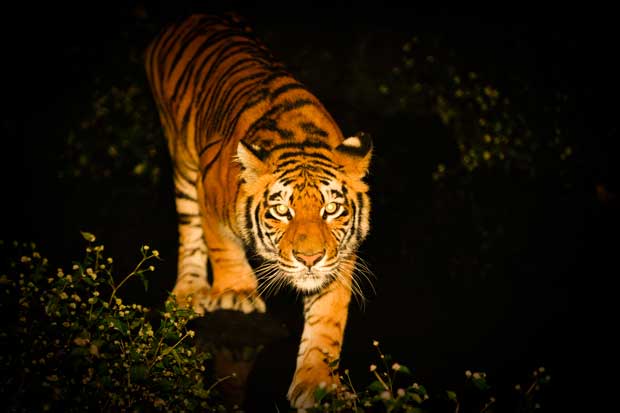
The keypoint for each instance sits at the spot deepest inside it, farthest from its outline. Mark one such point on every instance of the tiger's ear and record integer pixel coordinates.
(354, 154)
(251, 158)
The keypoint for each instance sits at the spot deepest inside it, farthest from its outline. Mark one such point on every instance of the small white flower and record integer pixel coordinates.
(375, 343)
(373, 367)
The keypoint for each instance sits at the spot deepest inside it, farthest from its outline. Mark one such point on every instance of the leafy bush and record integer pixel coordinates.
(70, 343)
(118, 136)
(393, 389)
(491, 127)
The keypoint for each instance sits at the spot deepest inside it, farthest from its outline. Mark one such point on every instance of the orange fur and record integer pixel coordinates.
(259, 163)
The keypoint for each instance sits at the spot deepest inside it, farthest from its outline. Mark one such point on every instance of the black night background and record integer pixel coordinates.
(494, 223)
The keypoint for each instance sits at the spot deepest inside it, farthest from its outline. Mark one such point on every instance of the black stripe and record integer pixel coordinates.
(178, 194)
(256, 97)
(305, 144)
(217, 101)
(208, 145)
(275, 195)
(279, 109)
(310, 301)
(272, 126)
(311, 129)
(230, 97)
(248, 220)
(353, 229)
(360, 202)
(287, 155)
(208, 42)
(186, 219)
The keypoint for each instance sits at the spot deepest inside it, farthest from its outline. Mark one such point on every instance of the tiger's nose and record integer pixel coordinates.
(308, 259)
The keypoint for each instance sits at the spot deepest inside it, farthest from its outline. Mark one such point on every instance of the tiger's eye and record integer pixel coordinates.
(331, 207)
(282, 209)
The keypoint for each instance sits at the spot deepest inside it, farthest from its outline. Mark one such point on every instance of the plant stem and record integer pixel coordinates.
(135, 270)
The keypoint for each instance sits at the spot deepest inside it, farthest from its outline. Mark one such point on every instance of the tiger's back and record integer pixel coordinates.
(258, 162)
(215, 84)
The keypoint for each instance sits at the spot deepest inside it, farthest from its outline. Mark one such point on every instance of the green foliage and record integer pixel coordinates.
(393, 390)
(118, 136)
(490, 129)
(70, 343)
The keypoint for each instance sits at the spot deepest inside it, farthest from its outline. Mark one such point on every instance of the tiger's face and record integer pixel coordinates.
(305, 211)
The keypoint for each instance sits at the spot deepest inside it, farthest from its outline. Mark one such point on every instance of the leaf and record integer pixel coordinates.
(88, 236)
(376, 386)
(119, 326)
(481, 384)
(451, 395)
(319, 393)
(79, 352)
(416, 398)
(139, 373)
(176, 356)
(404, 369)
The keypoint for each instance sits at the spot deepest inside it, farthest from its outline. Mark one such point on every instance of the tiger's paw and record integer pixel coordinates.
(244, 301)
(190, 297)
(301, 393)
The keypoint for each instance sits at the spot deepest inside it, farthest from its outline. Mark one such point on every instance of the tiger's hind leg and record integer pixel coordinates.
(191, 284)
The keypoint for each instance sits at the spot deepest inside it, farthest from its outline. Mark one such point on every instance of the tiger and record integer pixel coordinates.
(261, 169)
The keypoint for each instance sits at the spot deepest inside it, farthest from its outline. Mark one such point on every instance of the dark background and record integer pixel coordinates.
(547, 299)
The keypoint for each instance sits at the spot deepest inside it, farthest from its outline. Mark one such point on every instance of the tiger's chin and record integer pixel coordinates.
(309, 283)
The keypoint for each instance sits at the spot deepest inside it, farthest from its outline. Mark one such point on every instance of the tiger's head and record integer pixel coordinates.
(304, 208)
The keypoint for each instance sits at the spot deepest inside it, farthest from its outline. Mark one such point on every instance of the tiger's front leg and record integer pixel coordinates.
(234, 283)
(325, 316)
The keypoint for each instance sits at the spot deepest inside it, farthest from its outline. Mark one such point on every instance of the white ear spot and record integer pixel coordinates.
(352, 142)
